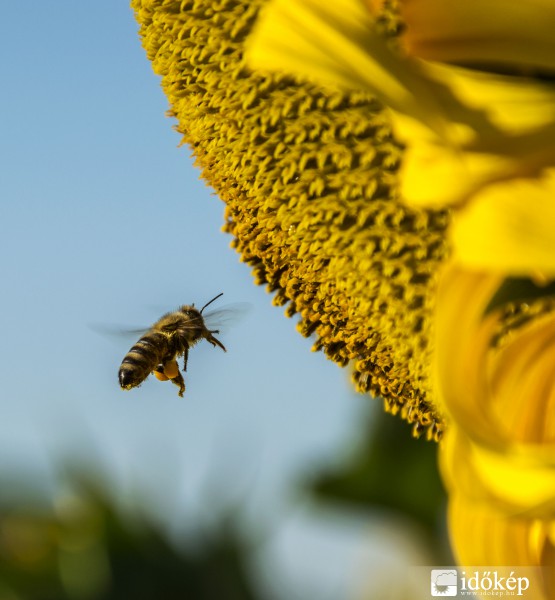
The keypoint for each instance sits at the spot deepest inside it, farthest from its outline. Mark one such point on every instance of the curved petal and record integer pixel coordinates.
(522, 384)
(509, 228)
(516, 482)
(482, 32)
(481, 536)
(500, 396)
(507, 100)
(462, 343)
(500, 446)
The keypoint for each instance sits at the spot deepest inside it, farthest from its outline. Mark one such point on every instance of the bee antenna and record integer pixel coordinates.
(208, 303)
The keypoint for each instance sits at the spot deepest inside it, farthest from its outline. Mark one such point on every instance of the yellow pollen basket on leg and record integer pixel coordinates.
(160, 375)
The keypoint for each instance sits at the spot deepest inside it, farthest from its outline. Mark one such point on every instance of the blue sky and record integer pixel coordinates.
(105, 220)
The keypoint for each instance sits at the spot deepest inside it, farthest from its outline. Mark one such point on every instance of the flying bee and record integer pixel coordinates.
(167, 340)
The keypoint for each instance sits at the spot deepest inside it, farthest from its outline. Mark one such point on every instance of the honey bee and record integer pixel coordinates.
(167, 340)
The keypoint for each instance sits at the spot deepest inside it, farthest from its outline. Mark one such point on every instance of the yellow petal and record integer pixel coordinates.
(462, 342)
(482, 32)
(501, 397)
(481, 536)
(436, 174)
(509, 228)
(517, 482)
(500, 446)
(522, 384)
(336, 43)
(506, 100)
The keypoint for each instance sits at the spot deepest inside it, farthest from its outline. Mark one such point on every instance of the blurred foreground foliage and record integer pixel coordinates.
(84, 546)
(391, 470)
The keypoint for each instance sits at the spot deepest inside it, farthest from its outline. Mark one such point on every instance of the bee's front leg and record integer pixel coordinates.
(214, 341)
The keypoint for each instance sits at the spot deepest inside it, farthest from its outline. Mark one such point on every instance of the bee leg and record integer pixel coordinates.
(185, 358)
(215, 342)
(180, 383)
(170, 368)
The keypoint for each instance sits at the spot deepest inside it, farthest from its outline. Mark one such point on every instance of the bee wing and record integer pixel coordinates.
(228, 315)
(113, 331)
(221, 318)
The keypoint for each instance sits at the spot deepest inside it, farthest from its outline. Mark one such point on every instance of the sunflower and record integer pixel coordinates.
(388, 170)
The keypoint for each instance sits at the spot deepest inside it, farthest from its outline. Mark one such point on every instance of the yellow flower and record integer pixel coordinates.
(467, 132)
(310, 178)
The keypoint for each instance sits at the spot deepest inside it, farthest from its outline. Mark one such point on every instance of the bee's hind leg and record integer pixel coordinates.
(159, 373)
(179, 382)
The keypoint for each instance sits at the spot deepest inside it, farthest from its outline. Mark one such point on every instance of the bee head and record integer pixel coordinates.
(191, 312)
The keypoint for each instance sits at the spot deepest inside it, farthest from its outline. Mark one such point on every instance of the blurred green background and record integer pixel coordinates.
(79, 539)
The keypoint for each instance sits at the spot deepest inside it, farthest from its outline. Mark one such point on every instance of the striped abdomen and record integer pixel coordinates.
(143, 357)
